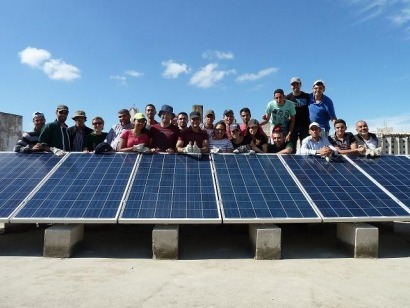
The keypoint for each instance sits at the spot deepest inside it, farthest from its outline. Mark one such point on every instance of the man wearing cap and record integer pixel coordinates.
(54, 136)
(279, 111)
(321, 109)
(165, 134)
(240, 143)
(193, 139)
(113, 137)
(208, 124)
(246, 115)
(301, 101)
(150, 112)
(228, 119)
(315, 144)
(78, 132)
(279, 146)
(29, 141)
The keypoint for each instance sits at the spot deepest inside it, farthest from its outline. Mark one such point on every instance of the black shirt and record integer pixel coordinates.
(302, 108)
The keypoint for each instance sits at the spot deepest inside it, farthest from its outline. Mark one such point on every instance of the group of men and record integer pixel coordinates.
(296, 116)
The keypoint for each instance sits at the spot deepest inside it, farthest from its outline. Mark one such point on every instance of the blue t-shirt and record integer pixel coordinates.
(321, 112)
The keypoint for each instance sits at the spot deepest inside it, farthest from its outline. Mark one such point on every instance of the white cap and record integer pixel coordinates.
(319, 82)
(314, 124)
(295, 79)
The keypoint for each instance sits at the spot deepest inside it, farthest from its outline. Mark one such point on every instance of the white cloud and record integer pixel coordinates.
(207, 76)
(133, 73)
(55, 69)
(216, 54)
(121, 79)
(255, 76)
(402, 17)
(34, 57)
(173, 69)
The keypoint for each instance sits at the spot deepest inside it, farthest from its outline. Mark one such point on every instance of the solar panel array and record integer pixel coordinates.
(163, 188)
(88, 187)
(259, 188)
(341, 192)
(19, 175)
(175, 188)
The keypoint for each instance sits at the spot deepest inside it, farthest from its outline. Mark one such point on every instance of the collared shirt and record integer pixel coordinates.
(310, 145)
(113, 137)
(344, 143)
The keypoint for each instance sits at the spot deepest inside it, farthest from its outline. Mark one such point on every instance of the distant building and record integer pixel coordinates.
(10, 130)
(395, 144)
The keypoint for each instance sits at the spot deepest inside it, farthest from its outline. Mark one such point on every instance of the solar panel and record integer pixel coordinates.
(392, 172)
(85, 188)
(343, 193)
(172, 189)
(19, 175)
(259, 189)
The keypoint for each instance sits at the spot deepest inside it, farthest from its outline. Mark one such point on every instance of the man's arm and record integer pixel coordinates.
(291, 127)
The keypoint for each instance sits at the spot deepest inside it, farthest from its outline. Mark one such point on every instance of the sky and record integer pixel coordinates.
(101, 56)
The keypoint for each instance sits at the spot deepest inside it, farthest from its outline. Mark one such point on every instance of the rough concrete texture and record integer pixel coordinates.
(266, 241)
(114, 268)
(360, 238)
(60, 241)
(165, 240)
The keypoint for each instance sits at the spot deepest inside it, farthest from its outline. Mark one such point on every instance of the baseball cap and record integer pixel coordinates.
(210, 111)
(228, 111)
(319, 82)
(295, 79)
(62, 107)
(314, 124)
(138, 116)
(38, 114)
(235, 126)
(194, 114)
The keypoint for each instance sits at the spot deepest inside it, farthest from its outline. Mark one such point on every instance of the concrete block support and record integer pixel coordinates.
(266, 241)
(2, 227)
(60, 241)
(360, 238)
(165, 242)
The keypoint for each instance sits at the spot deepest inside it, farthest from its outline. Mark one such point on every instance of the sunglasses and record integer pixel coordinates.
(98, 123)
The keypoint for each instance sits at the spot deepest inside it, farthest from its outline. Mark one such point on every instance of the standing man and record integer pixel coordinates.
(150, 112)
(208, 124)
(321, 109)
(193, 139)
(301, 101)
(29, 141)
(279, 111)
(113, 137)
(54, 136)
(78, 132)
(228, 119)
(165, 134)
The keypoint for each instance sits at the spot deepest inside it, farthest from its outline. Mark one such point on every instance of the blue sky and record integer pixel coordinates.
(101, 56)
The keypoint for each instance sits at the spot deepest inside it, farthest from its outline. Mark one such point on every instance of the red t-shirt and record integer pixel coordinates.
(164, 138)
(131, 140)
(189, 135)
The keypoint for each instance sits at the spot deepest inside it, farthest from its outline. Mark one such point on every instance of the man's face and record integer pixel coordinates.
(38, 122)
(195, 122)
(182, 121)
(318, 90)
(210, 118)
(295, 87)
(124, 118)
(277, 139)
(362, 128)
(228, 118)
(150, 112)
(314, 131)
(236, 133)
(280, 99)
(166, 118)
(340, 129)
(62, 115)
(79, 121)
(245, 117)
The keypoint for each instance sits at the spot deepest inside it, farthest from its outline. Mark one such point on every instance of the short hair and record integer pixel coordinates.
(340, 121)
(126, 111)
(279, 91)
(182, 113)
(361, 121)
(98, 118)
(150, 105)
(245, 109)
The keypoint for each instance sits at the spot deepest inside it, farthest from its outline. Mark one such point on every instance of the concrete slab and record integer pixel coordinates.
(266, 241)
(360, 238)
(165, 240)
(60, 241)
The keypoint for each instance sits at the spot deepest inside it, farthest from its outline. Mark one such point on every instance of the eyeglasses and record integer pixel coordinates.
(141, 121)
(220, 129)
(98, 123)
(65, 112)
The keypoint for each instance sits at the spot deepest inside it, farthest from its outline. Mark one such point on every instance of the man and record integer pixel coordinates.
(208, 124)
(343, 141)
(78, 132)
(301, 102)
(165, 134)
(279, 146)
(54, 136)
(321, 109)
(193, 139)
(228, 118)
(113, 137)
(367, 142)
(315, 144)
(182, 121)
(281, 110)
(29, 141)
(150, 112)
(246, 115)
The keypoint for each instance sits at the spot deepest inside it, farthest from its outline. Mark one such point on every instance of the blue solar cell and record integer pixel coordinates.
(19, 175)
(259, 187)
(175, 188)
(85, 186)
(341, 191)
(392, 172)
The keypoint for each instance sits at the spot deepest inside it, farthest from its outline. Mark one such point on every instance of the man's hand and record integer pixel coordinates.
(325, 152)
(58, 152)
